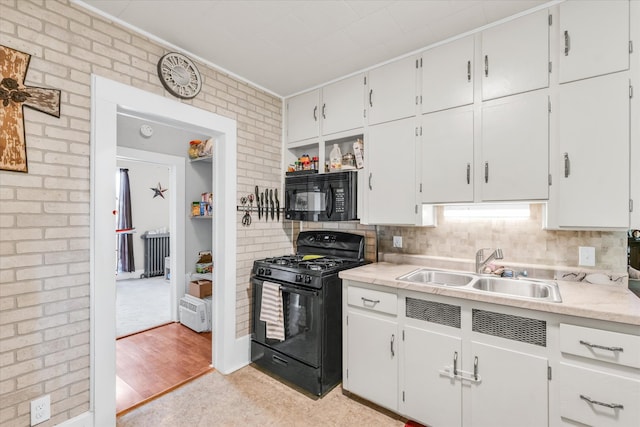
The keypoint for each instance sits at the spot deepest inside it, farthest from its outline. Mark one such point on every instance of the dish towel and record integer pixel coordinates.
(271, 310)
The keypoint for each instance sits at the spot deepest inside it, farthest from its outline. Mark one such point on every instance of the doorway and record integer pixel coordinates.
(109, 99)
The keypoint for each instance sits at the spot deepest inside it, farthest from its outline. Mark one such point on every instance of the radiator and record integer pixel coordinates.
(156, 248)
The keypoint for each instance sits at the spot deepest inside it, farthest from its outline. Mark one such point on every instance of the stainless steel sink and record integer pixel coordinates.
(546, 291)
(436, 277)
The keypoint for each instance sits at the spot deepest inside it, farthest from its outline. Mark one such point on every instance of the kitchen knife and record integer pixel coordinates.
(258, 202)
(277, 206)
(265, 213)
(272, 205)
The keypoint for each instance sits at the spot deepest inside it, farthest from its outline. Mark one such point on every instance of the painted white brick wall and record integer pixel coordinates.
(44, 215)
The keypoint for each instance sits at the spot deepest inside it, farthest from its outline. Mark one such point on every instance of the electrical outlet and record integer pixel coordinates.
(40, 409)
(587, 256)
(397, 241)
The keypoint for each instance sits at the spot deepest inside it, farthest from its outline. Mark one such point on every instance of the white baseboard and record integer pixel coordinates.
(129, 275)
(82, 420)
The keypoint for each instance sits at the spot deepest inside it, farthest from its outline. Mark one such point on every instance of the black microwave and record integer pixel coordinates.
(322, 197)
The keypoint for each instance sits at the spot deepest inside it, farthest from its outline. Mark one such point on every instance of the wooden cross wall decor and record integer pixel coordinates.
(14, 96)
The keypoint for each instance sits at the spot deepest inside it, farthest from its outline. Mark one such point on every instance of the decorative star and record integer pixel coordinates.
(158, 191)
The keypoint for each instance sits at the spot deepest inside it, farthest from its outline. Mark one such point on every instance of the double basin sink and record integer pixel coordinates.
(519, 288)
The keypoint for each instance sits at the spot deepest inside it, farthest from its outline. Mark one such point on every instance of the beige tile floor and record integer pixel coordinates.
(249, 397)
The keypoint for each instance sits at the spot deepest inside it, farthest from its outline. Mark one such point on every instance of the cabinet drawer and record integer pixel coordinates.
(614, 399)
(597, 344)
(370, 299)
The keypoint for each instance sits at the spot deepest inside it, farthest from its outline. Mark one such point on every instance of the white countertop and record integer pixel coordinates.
(603, 302)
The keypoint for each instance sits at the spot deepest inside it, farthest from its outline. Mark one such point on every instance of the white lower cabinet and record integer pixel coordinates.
(597, 398)
(428, 395)
(510, 388)
(450, 362)
(371, 345)
(599, 376)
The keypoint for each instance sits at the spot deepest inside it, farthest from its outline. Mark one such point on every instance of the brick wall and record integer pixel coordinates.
(44, 215)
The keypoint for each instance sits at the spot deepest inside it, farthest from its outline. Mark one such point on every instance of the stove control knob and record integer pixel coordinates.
(307, 279)
(267, 271)
(260, 270)
(298, 277)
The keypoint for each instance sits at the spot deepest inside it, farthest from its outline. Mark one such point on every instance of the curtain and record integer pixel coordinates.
(125, 240)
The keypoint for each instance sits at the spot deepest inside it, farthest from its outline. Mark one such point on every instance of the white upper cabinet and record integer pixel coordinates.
(515, 56)
(447, 156)
(594, 38)
(515, 148)
(391, 183)
(392, 91)
(303, 116)
(447, 75)
(593, 134)
(343, 105)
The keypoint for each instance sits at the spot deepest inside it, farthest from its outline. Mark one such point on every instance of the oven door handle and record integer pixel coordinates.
(293, 290)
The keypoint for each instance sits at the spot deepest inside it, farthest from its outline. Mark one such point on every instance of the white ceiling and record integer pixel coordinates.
(286, 46)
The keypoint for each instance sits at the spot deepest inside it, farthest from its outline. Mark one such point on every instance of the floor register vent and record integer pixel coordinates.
(434, 312)
(516, 328)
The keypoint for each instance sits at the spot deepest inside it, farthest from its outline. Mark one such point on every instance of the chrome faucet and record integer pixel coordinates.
(481, 262)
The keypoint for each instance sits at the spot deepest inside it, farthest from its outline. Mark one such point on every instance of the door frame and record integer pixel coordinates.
(176, 166)
(108, 99)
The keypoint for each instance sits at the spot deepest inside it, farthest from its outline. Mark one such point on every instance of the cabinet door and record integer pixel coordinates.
(593, 133)
(513, 388)
(447, 75)
(447, 156)
(515, 56)
(343, 105)
(430, 397)
(303, 116)
(390, 150)
(515, 148)
(594, 38)
(372, 365)
(392, 91)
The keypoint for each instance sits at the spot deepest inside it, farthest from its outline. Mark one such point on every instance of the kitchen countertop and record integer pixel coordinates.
(603, 302)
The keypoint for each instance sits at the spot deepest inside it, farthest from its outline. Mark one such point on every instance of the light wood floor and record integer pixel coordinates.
(154, 362)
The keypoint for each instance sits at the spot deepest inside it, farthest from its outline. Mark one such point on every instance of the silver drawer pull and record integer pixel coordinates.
(595, 402)
(369, 301)
(602, 347)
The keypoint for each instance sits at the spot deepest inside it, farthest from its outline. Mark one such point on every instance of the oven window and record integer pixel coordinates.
(302, 324)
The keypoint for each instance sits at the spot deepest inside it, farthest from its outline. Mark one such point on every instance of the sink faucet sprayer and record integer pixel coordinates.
(480, 263)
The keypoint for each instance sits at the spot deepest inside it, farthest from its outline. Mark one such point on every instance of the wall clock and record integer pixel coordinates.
(179, 75)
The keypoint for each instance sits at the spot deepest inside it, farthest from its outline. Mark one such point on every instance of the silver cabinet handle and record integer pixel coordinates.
(370, 101)
(475, 368)
(370, 301)
(370, 187)
(324, 106)
(486, 65)
(455, 363)
(315, 113)
(486, 172)
(393, 339)
(567, 43)
(602, 347)
(468, 173)
(567, 165)
(468, 71)
(607, 405)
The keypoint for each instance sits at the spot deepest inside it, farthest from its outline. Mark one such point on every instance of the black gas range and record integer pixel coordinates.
(307, 351)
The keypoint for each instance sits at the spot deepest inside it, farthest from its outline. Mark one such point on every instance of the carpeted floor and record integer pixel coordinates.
(142, 304)
(248, 398)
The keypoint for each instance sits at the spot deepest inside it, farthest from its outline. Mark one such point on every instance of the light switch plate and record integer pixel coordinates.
(397, 241)
(587, 256)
